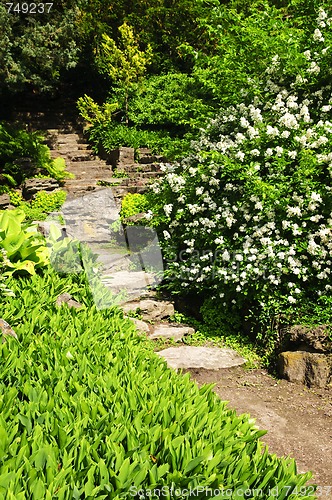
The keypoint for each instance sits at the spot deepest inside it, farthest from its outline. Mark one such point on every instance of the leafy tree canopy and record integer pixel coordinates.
(35, 48)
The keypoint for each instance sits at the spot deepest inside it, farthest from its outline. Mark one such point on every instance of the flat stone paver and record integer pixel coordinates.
(176, 332)
(131, 283)
(210, 358)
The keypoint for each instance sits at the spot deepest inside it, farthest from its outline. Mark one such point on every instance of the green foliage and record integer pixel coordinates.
(124, 64)
(25, 248)
(111, 136)
(43, 204)
(89, 411)
(174, 100)
(57, 169)
(133, 204)
(23, 155)
(35, 48)
(94, 114)
(163, 25)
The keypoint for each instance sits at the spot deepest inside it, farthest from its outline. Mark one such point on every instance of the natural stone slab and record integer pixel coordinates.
(139, 324)
(316, 338)
(309, 368)
(153, 310)
(176, 332)
(130, 282)
(209, 358)
(33, 186)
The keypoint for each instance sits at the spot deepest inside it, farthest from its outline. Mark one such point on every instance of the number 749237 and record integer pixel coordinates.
(29, 8)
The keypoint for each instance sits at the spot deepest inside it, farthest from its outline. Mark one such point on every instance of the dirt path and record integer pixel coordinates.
(298, 420)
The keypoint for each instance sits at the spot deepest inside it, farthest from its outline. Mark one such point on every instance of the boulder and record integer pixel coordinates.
(153, 310)
(314, 338)
(140, 325)
(33, 186)
(209, 358)
(5, 202)
(128, 285)
(310, 368)
(171, 331)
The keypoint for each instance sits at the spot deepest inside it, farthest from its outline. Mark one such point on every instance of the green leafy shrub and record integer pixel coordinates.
(25, 248)
(171, 101)
(245, 220)
(23, 155)
(89, 411)
(94, 114)
(133, 204)
(43, 204)
(112, 135)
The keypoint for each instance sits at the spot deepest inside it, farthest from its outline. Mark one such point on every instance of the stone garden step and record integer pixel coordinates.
(209, 358)
(139, 167)
(170, 331)
(88, 164)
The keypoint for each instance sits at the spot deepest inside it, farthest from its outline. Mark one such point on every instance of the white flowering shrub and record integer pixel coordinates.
(246, 220)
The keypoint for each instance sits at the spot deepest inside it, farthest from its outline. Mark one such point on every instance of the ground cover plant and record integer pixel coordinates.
(246, 218)
(89, 411)
(42, 205)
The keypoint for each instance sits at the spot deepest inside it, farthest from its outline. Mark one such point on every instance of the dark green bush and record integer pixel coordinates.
(112, 135)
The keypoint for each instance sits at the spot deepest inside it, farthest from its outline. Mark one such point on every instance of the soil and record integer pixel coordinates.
(298, 419)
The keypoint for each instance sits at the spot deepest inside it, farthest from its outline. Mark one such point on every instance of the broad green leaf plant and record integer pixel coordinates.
(25, 248)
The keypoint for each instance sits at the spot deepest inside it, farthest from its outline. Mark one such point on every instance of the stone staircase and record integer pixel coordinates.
(63, 132)
(91, 173)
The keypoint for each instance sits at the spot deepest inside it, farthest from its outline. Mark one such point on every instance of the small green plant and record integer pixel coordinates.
(43, 204)
(57, 169)
(119, 174)
(124, 63)
(23, 155)
(94, 114)
(133, 204)
(25, 248)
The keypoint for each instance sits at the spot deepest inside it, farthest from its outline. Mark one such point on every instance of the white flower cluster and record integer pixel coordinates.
(256, 194)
